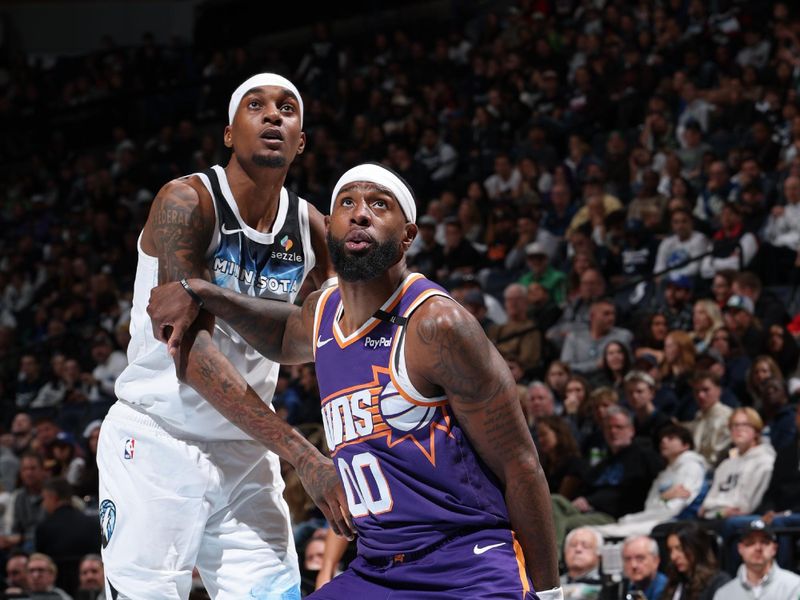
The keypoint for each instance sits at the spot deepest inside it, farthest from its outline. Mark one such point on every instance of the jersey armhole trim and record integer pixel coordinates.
(397, 361)
(214, 241)
(318, 312)
(305, 236)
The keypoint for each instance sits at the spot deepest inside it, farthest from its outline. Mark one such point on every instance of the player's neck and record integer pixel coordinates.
(360, 299)
(257, 192)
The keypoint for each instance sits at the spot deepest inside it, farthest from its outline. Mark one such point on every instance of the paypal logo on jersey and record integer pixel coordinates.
(380, 342)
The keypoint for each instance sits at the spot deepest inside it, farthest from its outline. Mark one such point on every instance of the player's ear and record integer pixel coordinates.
(409, 234)
(228, 137)
(302, 145)
(327, 224)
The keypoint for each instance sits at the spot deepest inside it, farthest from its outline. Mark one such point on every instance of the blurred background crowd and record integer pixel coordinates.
(612, 188)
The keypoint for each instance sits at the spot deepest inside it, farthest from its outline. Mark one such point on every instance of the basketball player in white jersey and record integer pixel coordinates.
(189, 467)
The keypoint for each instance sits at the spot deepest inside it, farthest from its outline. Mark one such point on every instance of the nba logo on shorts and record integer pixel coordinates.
(129, 444)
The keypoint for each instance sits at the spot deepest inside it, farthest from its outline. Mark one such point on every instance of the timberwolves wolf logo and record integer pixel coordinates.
(108, 518)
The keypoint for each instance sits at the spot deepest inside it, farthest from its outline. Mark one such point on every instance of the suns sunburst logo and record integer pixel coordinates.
(377, 410)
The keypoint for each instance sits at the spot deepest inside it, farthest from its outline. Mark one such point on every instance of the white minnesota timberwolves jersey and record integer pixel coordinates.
(270, 265)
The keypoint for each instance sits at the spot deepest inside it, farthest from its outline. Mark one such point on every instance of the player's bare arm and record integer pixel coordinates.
(277, 330)
(448, 350)
(179, 230)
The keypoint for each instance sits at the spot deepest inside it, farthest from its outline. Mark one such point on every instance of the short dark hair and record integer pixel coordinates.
(677, 431)
(700, 376)
(60, 487)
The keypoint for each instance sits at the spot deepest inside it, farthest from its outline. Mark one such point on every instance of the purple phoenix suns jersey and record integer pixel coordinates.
(411, 477)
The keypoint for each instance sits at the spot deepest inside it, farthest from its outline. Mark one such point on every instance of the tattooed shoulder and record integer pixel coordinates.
(453, 351)
(180, 230)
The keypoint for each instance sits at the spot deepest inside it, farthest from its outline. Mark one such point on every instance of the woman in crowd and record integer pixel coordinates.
(558, 452)
(558, 373)
(678, 362)
(737, 362)
(616, 364)
(764, 367)
(706, 319)
(693, 571)
(576, 406)
(651, 340)
(783, 348)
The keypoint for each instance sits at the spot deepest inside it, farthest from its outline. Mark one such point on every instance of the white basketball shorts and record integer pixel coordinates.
(168, 505)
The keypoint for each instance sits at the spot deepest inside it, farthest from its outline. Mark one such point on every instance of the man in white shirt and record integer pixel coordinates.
(759, 577)
(684, 243)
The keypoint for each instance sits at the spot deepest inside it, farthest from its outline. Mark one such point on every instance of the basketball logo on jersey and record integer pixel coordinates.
(129, 447)
(108, 519)
(378, 410)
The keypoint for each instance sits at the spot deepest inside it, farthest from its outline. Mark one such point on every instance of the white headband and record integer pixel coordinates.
(384, 177)
(260, 80)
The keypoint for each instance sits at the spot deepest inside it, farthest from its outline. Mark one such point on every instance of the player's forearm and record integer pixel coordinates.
(529, 508)
(210, 374)
(262, 323)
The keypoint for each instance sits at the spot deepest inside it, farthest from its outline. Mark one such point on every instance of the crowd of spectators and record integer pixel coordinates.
(612, 189)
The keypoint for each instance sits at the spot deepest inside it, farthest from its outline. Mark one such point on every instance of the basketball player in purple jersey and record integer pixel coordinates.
(420, 411)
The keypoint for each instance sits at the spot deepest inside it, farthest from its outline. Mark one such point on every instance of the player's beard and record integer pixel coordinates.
(365, 265)
(270, 162)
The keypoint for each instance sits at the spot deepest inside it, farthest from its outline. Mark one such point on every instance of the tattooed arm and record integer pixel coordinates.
(177, 232)
(448, 350)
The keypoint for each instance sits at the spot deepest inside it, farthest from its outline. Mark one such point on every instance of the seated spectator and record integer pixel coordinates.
(710, 428)
(779, 418)
(576, 312)
(438, 157)
(428, 256)
(459, 255)
(693, 572)
(556, 379)
(677, 304)
(714, 194)
(559, 455)
(640, 560)
(781, 346)
(42, 573)
(23, 432)
(733, 247)
(109, 365)
(780, 506)
(592, 431)
(17, 574)
(759, 575)
(504, 181)
(615, 366)
(737, 363)
(739, 318)
(540, 271)
(577, 410)
(92, 579)
(66, 533)
(582, 581)
(26, 506)
(712, 361)
(519, 335)
(684, 245)
(616, 486)
(706, 319)
(651, 338)
(583, 347)
(673, 490)
(63, 458)
(722, 286)
(740, 480)
(677, 367)
(542, 309)
(640, 393)
(29, 380)
(781, 234)
(528, 232)
(559, 211)
(476, 306)
(767, 307)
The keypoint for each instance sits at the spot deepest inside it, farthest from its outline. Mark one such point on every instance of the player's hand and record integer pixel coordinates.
(172, 311)
(319, 478)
